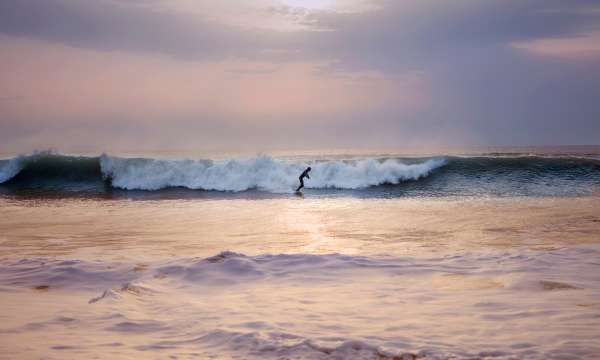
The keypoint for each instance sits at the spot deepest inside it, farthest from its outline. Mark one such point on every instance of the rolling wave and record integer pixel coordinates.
(263, 173)
(523, 175)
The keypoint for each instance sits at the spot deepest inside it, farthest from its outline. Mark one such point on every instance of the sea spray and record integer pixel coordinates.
(263, 173)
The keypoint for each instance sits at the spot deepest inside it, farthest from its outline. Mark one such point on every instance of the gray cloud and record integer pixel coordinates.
(139, 26)
(481, 86)
(482, 90)
(402, 35)
(397, 35)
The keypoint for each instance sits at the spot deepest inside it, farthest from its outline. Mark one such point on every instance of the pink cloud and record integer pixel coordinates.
(584, 46)
(61, 82)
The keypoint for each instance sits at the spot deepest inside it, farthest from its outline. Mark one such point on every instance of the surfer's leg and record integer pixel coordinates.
(301, 185)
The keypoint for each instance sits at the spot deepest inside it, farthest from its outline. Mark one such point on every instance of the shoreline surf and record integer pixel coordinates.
(483, 294)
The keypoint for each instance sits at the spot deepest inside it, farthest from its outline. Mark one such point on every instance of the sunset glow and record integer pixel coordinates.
(299, 179)
(406, 72)
(310, 4)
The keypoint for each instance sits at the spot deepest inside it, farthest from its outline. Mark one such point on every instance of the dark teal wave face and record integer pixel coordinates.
(520, 176)
(484, 176)
(48, 173)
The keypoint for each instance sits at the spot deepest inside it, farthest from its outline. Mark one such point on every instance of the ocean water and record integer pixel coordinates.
(384, 175)
(384, 256)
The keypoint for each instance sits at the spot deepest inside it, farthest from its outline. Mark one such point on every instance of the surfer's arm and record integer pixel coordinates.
(307, 176)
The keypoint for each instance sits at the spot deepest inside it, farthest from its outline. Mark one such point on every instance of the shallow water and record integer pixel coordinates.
(312, 277)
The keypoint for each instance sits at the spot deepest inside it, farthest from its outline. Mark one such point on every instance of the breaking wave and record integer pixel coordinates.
(261, 173)
(443, 175)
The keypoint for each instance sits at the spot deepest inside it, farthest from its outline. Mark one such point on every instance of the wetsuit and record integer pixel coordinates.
(301, 178)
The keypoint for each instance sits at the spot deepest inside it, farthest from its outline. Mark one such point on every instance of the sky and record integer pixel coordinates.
(136, 75)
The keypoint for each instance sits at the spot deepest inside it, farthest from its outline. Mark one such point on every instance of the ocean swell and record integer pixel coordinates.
(390, 176)
(234, 175)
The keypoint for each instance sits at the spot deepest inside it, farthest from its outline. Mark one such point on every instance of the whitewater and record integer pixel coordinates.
(394, 176)
(263, 173)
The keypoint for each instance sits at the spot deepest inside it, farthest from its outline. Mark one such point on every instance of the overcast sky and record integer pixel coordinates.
(134, 75)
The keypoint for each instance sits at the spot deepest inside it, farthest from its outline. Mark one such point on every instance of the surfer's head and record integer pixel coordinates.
(308, 168)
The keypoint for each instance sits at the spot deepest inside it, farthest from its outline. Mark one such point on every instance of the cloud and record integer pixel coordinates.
(387, 35)
(73, 96)
(140, 26)
(580, 47)
(262, 73)
(397, 35)
(63, 82)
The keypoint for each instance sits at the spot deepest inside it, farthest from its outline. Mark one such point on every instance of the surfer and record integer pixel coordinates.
(302, 176)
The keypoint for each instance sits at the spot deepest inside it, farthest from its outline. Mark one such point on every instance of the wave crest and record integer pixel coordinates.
(51, 173)
(10, 168)
(263, 173)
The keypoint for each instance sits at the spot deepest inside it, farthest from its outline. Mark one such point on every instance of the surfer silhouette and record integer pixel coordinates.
(301, 178)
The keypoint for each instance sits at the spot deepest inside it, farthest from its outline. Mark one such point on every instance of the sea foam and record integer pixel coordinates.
(53, 173)
(262, 172)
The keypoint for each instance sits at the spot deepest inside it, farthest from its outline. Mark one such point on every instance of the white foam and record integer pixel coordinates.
(284, 345)
(262, 172)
